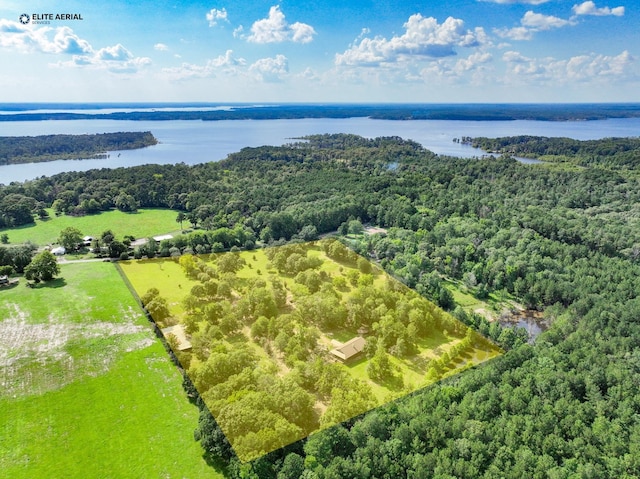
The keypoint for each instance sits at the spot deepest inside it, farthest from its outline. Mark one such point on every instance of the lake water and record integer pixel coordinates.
(198, 141)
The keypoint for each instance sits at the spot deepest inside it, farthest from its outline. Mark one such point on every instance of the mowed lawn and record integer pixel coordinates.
(111, 404)
(142, 224)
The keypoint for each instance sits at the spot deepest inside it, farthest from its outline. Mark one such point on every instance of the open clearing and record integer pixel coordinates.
(141, 224)
(86, 388)
(295, 321)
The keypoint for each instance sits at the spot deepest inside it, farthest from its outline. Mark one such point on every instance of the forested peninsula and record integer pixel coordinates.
(562, 241)
(475, 112)
(34, 149)
(605, 153)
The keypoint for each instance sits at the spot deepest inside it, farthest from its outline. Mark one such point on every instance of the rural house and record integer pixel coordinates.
(350, 349)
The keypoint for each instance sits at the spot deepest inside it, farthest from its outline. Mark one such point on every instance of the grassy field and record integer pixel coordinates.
(87, 391)
(142, 224)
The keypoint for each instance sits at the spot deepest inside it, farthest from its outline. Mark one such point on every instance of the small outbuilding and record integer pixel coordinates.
(178, 331)
(157, 239)
(138, 242)
(86, 241)
(59, 251)
(350, 349)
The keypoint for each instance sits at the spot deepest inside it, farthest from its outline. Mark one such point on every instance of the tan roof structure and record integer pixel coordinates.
(349, 349)
(178, 331)
(157, 239)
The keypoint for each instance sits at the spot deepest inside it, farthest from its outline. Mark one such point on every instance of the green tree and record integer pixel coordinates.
(126, 202)
(4, 238)
(116, 248)
(70, 238)
(230, 263)
(292, 467)
(364, 266)
(43, 267)
(181, 218)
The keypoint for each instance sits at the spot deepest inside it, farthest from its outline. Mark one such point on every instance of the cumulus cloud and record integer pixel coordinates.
(214, 16)
(28, 39)
(270, 69)
(531, 23)
(116, 59)
(276, 29)
(473, 61)
(226, 63)
(423, 37)
(580, 68)
(542, 22)
(62, 40)
(589, 8)
(161, 47)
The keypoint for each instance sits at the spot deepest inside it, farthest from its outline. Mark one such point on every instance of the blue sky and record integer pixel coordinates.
(322, 51)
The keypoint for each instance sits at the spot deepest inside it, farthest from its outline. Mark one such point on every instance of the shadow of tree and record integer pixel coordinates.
(54, 283)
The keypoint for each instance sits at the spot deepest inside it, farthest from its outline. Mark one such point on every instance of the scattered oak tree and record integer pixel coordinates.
(43, 267)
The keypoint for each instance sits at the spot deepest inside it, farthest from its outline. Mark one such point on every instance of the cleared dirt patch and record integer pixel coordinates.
(40, 357)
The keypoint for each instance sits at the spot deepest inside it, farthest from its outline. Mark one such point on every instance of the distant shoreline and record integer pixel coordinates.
(217, 112)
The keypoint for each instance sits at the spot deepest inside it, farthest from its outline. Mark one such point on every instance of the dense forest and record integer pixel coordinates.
(563, 241)
(33, 149)
(486, 112)
(605, 153)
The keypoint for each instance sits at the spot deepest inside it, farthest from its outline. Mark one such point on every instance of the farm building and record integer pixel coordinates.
(178, 331)
(157, 239)
(86, 241)
(350, 349)
(4, 279)
(59, 251)
(138, 242)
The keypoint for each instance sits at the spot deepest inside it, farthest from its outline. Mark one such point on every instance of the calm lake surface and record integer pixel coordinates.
(198, 141)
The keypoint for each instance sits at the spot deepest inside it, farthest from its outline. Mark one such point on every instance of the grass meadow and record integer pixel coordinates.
(87, 390)
(142, 224)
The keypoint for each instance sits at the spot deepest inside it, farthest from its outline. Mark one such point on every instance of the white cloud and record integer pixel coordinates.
(581, 68)
(589, 8)
(515, 33)
(531, 23)
(33, 39)
(514, 57)
(539, 21)
(28, 39)
(423, 37)
(275, 29)
(270, 69)
(473, 61)
(116, 53)
(226, 63)
(116, 59)
(161, 47)
(214, 16)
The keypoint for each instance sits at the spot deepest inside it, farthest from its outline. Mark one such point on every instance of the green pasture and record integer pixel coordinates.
(141, 224)
(109, 403)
